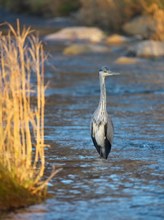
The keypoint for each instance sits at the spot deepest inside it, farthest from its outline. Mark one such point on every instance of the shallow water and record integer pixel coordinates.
(130, 184)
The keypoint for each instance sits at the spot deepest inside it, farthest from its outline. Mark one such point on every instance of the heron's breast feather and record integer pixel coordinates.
(99, 133)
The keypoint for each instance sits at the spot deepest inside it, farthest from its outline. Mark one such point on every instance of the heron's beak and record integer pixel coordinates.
(112, 74)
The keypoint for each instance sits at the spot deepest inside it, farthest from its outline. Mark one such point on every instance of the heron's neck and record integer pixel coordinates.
(102, 102)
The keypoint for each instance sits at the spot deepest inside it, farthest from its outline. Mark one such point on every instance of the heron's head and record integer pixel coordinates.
(104, 71)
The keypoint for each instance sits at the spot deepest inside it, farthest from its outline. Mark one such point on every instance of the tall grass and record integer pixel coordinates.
(22, 110)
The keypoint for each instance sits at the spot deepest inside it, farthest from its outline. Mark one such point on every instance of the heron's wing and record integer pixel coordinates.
(110, 130)
(105, 149)
(107, 140)
(96, 145)
(94, 139)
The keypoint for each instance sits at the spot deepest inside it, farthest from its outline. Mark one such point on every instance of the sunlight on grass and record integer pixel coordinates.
(22, 106)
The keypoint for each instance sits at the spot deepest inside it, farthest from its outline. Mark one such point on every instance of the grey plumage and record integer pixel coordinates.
(101, 124)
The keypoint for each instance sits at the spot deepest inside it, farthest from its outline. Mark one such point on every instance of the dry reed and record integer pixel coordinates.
(22, 106)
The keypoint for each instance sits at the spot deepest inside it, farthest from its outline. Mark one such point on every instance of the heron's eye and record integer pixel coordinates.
(104, 69)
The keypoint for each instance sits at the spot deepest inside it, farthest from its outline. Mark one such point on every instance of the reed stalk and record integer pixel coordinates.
(22, 106)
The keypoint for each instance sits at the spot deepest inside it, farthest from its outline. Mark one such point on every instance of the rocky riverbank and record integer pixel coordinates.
(82, 40)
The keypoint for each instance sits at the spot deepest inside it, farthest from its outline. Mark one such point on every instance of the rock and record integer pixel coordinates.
(74, 34)
(76, 49)
(143, 26)
(148, 26)
(148, 48)
(117, 39)
(127, 60)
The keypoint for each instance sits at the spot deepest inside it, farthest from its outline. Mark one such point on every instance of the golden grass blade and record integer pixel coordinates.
(22, 108)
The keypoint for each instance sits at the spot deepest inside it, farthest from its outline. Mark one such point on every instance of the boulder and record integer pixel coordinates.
(127, 60)
(75, 49)
(149, 26)
(73, 34)
(148, 48)
(142, 25)
(117, 39)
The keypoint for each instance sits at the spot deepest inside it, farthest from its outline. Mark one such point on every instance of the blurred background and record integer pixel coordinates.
(107, 14)
(79, 37)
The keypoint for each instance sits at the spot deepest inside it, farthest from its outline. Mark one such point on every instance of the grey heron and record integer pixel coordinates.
(101, 124)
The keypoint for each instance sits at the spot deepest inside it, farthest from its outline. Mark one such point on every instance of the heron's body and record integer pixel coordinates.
(101, 124)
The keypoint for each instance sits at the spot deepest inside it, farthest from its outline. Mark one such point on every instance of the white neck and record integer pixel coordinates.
(102, 102)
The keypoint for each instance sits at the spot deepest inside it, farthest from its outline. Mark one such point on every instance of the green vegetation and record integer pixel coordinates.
(12, 193)
(22, 160)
